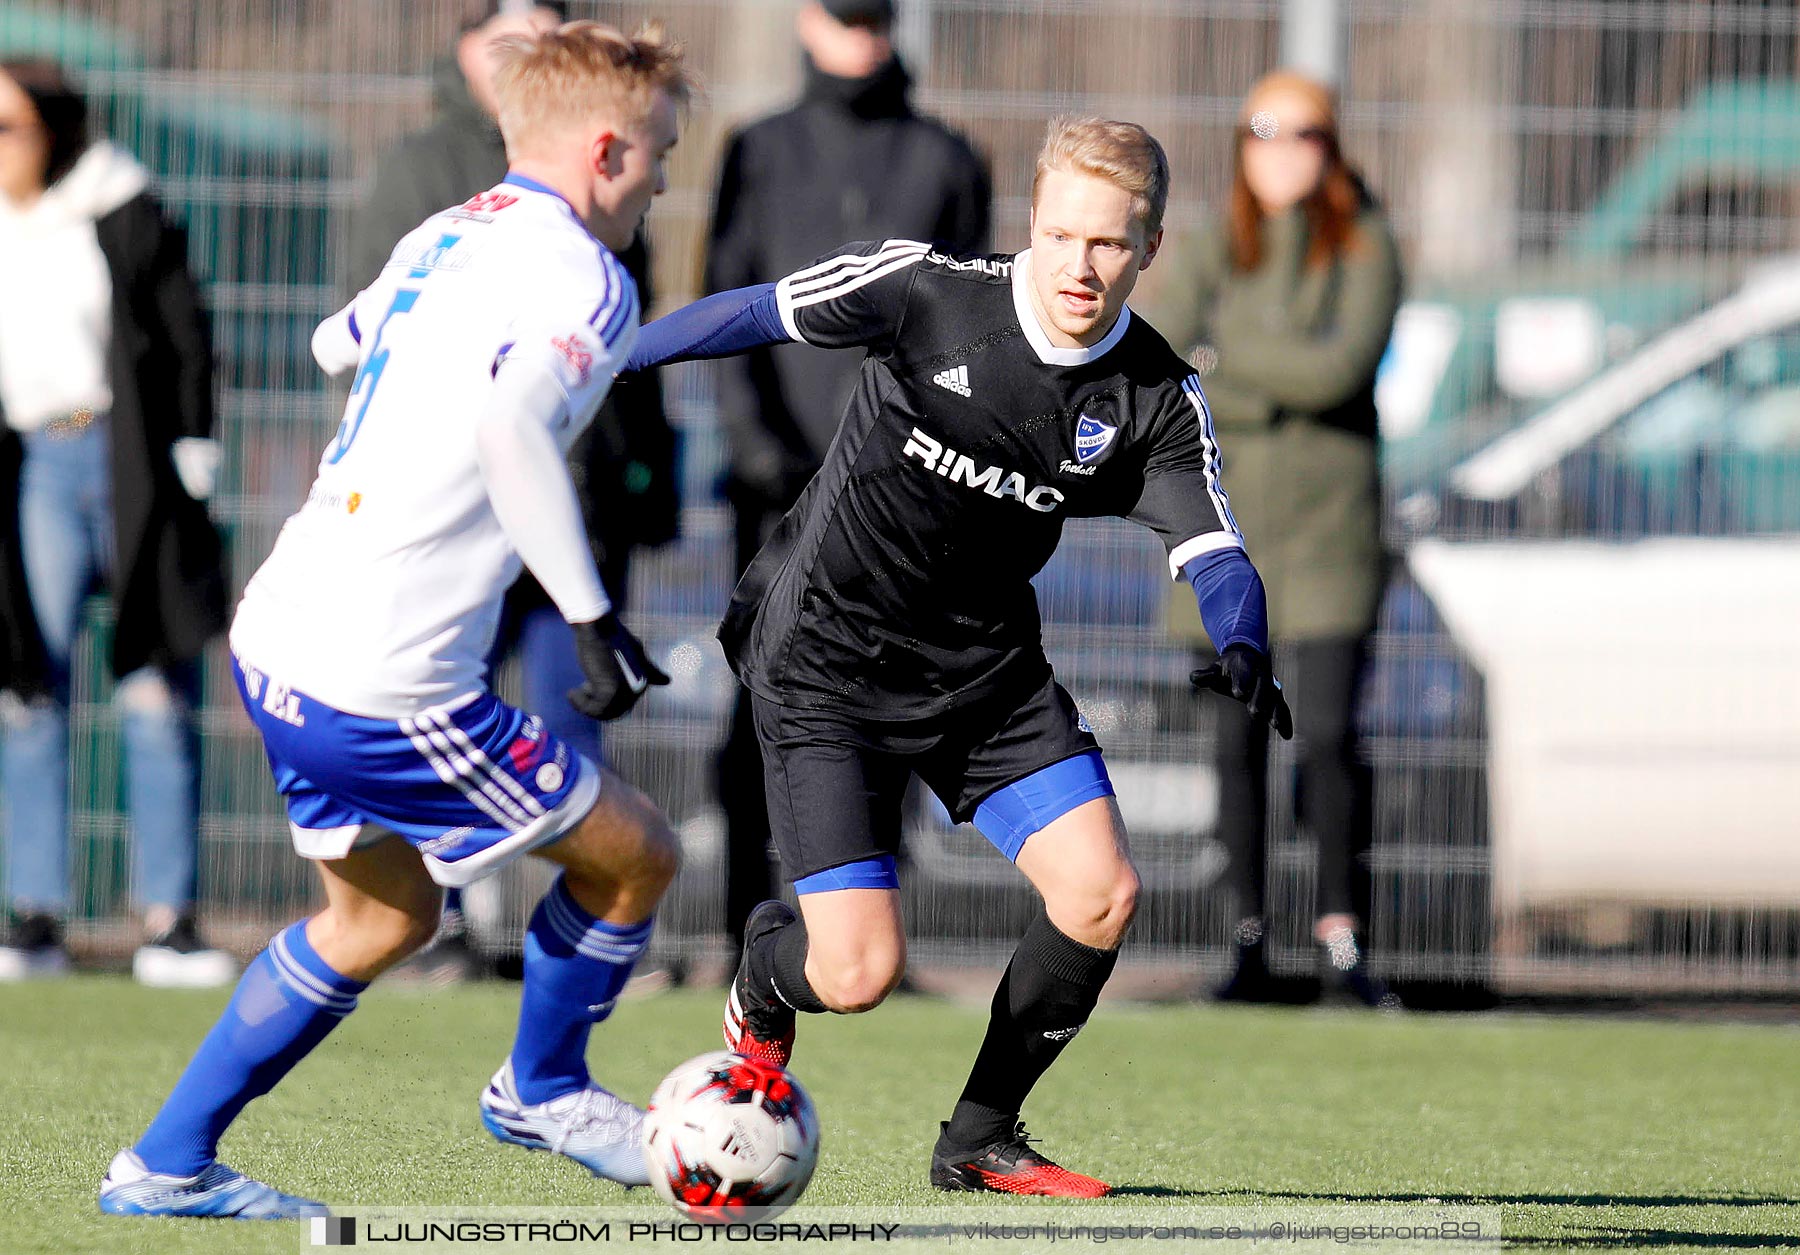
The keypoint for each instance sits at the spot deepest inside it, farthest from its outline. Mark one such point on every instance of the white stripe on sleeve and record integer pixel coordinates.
(1205, 542)
(839, 276)
(1190, 387)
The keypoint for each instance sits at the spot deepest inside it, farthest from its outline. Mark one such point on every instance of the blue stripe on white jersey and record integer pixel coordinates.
(618, 301)
(622, 316)
(609, 291)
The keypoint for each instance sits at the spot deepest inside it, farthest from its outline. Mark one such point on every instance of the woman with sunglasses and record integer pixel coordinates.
(105, 450)
(1287, 302)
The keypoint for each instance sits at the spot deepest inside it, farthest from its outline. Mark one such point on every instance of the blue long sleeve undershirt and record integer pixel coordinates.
(1233, 605)
(714, 326)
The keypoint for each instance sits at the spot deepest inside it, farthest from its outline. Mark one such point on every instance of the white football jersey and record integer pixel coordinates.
(382, 594)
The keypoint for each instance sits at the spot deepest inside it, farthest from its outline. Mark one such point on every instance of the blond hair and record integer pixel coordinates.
(1122, 153)
(582, 70)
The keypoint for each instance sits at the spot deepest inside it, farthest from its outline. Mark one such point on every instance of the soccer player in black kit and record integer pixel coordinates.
(890, 627)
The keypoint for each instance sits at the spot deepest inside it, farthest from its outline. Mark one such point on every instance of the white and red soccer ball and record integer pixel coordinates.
(728, 1138)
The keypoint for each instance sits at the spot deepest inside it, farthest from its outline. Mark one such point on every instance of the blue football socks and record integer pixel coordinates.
(288, 1000)
(575, 966)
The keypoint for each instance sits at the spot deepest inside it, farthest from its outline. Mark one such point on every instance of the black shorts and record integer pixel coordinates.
(836, 783)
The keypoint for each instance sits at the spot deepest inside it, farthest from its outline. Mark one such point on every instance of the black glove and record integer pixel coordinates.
(617, 671)
(1244, 673)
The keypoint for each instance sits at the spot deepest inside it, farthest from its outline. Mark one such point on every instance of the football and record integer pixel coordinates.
(730, 1138)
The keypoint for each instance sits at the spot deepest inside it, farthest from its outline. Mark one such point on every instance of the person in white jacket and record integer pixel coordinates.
(106, 455)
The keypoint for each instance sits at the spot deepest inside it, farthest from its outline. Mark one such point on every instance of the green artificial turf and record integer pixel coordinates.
(1586, 1133)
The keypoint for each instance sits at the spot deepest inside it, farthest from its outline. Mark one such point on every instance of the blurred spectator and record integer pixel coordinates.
(850, 161)
(623, 464)
(459, 154)
(1287, 302)
(106, 385)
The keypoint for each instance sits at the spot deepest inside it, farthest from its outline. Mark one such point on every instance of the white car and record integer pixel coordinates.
(1638, 627)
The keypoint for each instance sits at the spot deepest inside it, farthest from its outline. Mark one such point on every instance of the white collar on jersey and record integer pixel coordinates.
(530, 184)
(1048, 353)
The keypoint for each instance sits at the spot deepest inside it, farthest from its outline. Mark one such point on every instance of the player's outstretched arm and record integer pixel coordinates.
(534, 499)
(1234, 608)
(855, 296)
(721, 325)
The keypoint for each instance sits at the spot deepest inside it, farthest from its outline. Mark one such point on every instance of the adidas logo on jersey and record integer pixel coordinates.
(956, 379)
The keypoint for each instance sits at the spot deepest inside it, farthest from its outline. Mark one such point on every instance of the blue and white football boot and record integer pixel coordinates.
(600, 1131)
(131, 1189)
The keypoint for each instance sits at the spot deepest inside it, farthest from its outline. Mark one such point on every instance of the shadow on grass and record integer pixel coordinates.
(1163, 1191)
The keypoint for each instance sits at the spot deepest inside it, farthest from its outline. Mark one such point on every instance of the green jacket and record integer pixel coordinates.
(1287, 356)
(458, 154)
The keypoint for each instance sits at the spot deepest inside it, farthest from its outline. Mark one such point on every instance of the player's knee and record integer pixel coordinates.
(627, 839)
(1116, 905)
(399, 935)
(860, 984)
(657, 859)
(1100, 914)
(1122, 903)
(660, 862)
(371, 941)
(857, 990)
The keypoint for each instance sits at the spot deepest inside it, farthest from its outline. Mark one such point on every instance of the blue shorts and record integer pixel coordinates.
(471, 785)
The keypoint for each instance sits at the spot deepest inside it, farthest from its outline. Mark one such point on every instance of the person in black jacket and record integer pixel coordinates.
(106, 454)
(850, 161)
(623, 464)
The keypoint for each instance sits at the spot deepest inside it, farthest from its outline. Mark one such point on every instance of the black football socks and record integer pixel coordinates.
(778, 968)
(1045, 997)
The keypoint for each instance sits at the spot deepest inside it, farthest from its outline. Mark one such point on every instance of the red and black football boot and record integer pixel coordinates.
(1008, 1166)
(755, 1026)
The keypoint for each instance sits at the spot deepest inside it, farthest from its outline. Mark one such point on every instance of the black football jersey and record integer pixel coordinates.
(899, 586)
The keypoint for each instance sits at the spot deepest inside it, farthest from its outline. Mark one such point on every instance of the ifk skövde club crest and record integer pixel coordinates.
(1092, 437)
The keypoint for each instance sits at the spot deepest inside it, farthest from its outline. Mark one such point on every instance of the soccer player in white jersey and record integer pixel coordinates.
(479, 353)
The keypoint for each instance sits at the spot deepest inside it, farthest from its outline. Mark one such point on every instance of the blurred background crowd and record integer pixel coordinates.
(1497, 306)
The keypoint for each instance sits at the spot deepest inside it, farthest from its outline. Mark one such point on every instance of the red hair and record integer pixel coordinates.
(1332, 208)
